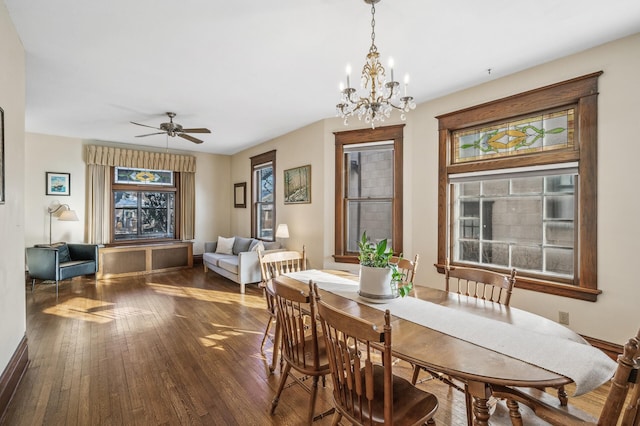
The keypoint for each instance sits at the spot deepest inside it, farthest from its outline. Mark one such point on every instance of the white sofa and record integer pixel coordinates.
(242, 266)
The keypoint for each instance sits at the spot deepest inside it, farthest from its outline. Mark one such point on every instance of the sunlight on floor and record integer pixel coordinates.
(206, 295)
(82, 308)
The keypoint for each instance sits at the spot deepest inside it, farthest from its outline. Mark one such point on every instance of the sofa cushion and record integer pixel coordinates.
(225, 245)
(272, 245)
(214, 258)
(63, 253)
(241, 244)
(229, 264)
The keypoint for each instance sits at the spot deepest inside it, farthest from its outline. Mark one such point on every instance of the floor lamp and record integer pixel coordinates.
(66, 215)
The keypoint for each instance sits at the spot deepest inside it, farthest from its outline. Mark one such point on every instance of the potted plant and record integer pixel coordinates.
(379, 277)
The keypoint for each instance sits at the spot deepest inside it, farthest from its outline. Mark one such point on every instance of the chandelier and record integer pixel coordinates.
(380, 96)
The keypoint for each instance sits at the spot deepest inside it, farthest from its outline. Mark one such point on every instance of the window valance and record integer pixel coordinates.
(112, 156)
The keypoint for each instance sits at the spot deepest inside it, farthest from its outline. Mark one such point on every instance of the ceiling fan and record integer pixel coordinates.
(174, 129)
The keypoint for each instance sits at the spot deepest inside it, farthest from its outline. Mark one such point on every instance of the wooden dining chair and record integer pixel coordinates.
(481, 284)
(273, 265)
(613, 411)
(365, 390)
(407, 267)
(302, 349)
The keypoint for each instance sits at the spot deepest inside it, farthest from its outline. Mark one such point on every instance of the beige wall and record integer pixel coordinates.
(61, 154)
(12, 283)
(613, 318)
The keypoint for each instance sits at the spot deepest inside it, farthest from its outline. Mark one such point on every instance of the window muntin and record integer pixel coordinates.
(527, 223)
(368, 194)
(143, 215)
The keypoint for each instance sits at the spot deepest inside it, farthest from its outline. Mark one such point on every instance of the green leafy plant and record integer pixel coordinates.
(378, 255)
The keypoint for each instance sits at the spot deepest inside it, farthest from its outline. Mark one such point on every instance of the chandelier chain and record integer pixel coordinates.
(373, 28)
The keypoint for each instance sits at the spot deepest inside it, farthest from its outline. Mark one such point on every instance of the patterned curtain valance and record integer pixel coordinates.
(119, 157)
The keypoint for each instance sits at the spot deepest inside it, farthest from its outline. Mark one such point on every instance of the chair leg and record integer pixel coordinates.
(336, 419)
(514, 412)
(266, 335)
(312, 402)
(57, 285)
(468, 401)
(33, 284)
(283, 380)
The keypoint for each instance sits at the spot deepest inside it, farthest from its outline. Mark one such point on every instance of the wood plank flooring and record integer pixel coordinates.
(179, 348)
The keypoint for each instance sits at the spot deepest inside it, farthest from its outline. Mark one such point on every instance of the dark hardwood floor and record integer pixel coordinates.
(180, 348)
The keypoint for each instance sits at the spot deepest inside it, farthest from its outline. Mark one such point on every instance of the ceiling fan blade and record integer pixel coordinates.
(150, 134)
(189, 138)
(198, 130)
(144, 125)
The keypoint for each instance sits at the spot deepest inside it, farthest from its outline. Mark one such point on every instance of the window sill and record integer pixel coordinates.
(563, 290)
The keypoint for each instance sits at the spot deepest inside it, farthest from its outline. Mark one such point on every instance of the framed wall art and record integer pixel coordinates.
(240, 195)
(297, 185)
(1, 156)
(58, 183)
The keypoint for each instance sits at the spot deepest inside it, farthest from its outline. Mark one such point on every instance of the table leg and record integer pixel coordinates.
(514, 412)
(481, 393)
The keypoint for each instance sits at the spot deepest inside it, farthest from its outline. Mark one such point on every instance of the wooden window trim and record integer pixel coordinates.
(265, 157)
(582, 92)
(351, 137)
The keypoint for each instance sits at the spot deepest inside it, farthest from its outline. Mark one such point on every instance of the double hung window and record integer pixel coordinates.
(517, 188)
(368, 189)
(263, 196)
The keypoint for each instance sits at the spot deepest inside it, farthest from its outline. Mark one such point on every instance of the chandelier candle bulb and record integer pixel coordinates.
(348, 73)
(406, 83)
(391, 68)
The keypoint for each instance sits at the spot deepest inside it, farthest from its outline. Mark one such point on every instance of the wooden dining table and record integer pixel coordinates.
(482, 369)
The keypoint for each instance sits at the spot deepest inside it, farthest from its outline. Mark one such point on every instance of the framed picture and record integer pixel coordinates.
(297, 185)
(1, 156)
(240, 195)
(58, 183)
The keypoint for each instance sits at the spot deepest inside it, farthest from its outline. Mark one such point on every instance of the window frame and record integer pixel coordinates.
(352, 137)
(130, 187)
(256, 162)
(582, 92)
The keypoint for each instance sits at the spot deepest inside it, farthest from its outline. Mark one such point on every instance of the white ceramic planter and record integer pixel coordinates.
(375, 284)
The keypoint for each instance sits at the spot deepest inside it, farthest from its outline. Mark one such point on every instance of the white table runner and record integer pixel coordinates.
(587, 366)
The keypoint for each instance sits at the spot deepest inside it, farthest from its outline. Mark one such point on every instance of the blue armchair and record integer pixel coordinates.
(61, 262)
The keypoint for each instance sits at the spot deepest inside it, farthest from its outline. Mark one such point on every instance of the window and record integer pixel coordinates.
(263, 185)
(517, 188)
(144, 205)
(368, 189)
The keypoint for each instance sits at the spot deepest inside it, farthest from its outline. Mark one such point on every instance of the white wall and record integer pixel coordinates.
(66, 155)
(613, 317)
(12, 279)
(305, 221)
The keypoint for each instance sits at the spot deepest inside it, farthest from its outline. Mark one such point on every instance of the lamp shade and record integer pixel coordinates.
(68, 216)
(282, 231)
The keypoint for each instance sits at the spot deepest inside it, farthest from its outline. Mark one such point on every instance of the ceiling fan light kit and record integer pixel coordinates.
(382, 97)
(174, 129)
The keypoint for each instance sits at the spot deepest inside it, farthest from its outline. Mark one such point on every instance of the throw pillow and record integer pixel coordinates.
(272, 245)
(258, 246)
(63, 253)
(225, 245)
(241, 245)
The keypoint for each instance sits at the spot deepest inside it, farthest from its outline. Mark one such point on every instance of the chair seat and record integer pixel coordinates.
(410, 404)
(305, 351)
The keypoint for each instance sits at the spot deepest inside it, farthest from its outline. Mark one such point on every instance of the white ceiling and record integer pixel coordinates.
(252, 70)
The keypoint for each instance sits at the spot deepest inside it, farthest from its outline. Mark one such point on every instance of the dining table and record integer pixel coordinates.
(484, 344)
